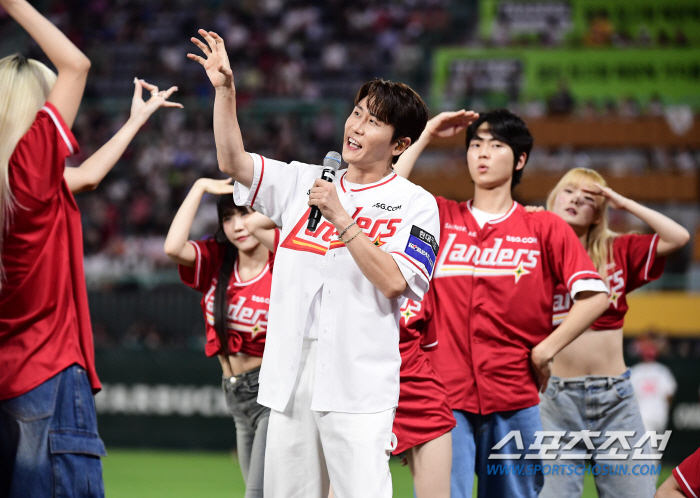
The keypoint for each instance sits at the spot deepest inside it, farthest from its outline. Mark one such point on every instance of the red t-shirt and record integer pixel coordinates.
(248, 302)
(687, 475)
(44, 317)
(633, 263)
(492, 291)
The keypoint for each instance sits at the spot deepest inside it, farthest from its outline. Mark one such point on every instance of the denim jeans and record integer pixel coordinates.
(251, 420)
(49, 445)
(473, 440)
(595, 403)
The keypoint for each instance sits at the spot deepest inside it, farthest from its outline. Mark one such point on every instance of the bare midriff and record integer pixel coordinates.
(237, 364)
(595, 352)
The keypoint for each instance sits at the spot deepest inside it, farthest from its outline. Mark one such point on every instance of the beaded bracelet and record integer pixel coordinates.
(346, 242)
(346, 229)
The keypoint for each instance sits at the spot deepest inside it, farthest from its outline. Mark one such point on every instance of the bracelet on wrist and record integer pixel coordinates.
(340, 235)
(346, 242)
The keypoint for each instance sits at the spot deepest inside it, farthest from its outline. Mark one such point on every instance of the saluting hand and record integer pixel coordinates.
(215, 187)
(216, 63)
(449, 124)
(615, 200)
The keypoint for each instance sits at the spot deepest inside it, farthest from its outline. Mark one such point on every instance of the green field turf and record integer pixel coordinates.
(180, 474)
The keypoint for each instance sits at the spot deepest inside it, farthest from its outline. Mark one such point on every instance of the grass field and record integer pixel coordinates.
(180, 474)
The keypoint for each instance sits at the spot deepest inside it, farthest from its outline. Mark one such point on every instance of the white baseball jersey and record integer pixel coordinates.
(358, 327)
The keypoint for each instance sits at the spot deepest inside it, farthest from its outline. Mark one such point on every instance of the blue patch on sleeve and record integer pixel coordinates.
(421, 252)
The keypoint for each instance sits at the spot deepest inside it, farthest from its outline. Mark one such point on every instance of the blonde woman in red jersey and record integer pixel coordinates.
(48, 375)
(590, 386)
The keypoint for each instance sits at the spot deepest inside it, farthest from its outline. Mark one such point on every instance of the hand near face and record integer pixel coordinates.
(614, 199)
(449, 124)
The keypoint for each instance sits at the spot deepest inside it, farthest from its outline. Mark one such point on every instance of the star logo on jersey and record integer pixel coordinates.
(519, 272)
(408, 309)
(407, 314)
(256, 329)
(614, 296)
(378, 242)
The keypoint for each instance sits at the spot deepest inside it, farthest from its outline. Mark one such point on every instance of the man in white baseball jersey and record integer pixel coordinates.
(330, 371)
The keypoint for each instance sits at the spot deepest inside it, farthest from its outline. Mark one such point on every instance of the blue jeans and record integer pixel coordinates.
(595, 403)
(473, 440)
(49, 445)
(251, 420)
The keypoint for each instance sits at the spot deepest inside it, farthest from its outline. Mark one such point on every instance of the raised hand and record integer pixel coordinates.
(614, 199)
(216, 187)
(216, 62)
(449, 124)
(143, 109)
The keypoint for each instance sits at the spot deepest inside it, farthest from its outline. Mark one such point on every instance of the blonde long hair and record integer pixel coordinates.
(600, 237)
(24, 87)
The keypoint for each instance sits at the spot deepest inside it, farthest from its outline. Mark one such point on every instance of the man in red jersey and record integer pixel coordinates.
(685, 481)
(492, 296)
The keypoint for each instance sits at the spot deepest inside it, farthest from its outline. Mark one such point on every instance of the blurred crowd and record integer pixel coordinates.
(296, 65)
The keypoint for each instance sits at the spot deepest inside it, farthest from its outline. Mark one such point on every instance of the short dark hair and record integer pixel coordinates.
(509, 129)
(396, 104)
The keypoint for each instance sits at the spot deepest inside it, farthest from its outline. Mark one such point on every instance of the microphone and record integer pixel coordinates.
(331, 163)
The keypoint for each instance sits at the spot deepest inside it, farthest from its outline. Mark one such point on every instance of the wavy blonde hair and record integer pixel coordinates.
(600, 237)
(24, 87)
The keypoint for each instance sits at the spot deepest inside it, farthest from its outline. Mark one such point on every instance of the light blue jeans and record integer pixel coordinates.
(602, 404)
(49, 445)
(251, 419)
(473, 440)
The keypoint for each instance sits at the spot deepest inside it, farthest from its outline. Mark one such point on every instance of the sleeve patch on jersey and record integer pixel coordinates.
(425, 237)
(421, 252)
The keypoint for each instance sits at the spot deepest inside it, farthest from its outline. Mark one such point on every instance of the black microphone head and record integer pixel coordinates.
(332, 160)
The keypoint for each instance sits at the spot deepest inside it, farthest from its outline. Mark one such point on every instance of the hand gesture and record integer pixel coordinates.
(541, 368)
(534, 209)
(141, 109)
(449, 124)
(324, 195)
(216, 187)
(216, 63)
(615, 200)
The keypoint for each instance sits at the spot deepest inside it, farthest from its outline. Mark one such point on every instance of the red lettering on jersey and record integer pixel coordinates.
(325, 236)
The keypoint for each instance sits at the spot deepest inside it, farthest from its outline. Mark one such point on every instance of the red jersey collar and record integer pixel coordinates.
(379, 183)
(497, 220)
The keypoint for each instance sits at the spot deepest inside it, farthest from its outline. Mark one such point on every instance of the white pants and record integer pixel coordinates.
(309, 450)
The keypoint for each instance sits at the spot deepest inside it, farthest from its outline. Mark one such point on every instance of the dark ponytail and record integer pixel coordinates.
(224, 207)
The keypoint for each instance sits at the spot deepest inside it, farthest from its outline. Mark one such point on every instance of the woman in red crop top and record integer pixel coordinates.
(233, 271)
(590, 386)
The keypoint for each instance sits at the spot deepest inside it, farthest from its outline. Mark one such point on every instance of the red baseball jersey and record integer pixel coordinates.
(44, 317)
(248, 301)
(687, 475)
(492, 291)
(633, 263)
(423, 413)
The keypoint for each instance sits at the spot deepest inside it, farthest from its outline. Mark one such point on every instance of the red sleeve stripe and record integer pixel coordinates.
(685, 482)
(413, 263)
(57, 122)
(585, 272)
(262, 173)
(197, 263)
(650, 257)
